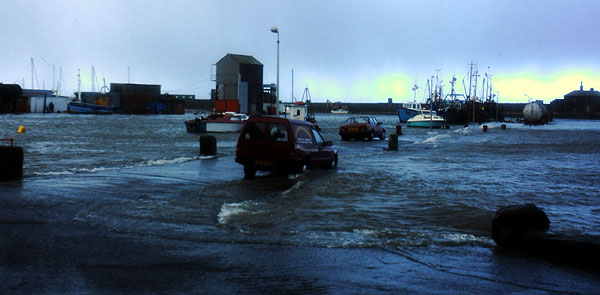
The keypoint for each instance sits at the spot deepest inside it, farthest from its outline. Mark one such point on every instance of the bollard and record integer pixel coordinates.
(21, 129)
(484, 128)
(525, 227)
(511, 223)
(398, 130)
(393, 142)
(503, 126)
(208, 145)
(11, 161)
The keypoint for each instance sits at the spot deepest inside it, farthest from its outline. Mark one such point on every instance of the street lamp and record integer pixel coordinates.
(276, 31)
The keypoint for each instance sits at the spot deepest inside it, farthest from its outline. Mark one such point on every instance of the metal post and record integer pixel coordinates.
(277, 93)
(276, 31)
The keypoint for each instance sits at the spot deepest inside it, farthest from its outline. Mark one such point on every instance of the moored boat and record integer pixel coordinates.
(217, 122)
(425, 119)
(408, 110)
(339, 111)
(89, 108)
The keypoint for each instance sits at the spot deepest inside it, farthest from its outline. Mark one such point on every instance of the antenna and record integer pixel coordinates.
(293, 85)
(79, 84)
(414, 89)
(93, 79)
(59, 85)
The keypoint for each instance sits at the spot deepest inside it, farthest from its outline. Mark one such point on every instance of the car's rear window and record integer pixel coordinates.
(278, 132)
(255, 131)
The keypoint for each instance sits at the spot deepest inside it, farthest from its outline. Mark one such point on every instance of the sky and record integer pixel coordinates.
(346, 50)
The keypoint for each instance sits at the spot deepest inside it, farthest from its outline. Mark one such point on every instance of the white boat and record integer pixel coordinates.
(217, 122)
(427, 120)
(339, 111)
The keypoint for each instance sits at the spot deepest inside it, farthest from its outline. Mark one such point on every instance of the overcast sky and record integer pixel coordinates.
(354, 51)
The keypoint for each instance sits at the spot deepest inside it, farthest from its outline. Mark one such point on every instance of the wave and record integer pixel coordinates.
(74, 171)
(294, 187)
(231, 211)
(146, 163)
(171, 161)
(434, 139)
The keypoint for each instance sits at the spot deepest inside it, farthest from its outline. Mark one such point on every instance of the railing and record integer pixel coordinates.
(9, 139)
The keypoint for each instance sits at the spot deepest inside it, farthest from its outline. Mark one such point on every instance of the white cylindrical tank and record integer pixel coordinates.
(534, 112)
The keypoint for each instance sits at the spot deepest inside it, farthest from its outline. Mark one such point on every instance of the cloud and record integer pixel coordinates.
(514, 87)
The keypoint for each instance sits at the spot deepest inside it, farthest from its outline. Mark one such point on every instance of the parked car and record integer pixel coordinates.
(282, 145)
(362, 127)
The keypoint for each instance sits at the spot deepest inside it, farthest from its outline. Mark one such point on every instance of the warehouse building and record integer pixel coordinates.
(239, 84)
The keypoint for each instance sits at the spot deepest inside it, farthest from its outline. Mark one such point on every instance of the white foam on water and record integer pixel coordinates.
(462, 238)
(294, 176)
(144, 163)
(232, 211)
(53, 173)
(168, 161)
(294, 187)
(365, 232)
(463, 131)
(73, 171)
(435, 139)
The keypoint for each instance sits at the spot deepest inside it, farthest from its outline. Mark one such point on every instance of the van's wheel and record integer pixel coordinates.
(345, 137)
(382, 136)
(249, 171)
(371, 135)
(302, 166)
(333, 163)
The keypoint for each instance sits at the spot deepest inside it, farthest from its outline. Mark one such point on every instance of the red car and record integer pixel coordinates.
(362, 127)
(282, 145)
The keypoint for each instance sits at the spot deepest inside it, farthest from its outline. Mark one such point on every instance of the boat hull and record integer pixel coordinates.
(404, 114)
(426, 124)
(202, 126)
(87, 108)
(223, 127)
(343, 112)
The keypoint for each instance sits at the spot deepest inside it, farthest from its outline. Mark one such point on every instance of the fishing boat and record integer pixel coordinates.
(89, 108)
(103, 101)
(425, 119)
(217, 122)
(408, 110)
(301, 109)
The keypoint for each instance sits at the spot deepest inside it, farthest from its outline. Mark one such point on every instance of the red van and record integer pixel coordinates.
(282, 145)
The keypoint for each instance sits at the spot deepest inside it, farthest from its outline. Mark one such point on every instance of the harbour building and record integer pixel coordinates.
(584, 104)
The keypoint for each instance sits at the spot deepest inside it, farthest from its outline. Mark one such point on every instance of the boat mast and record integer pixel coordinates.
(32, 73)
(470, 79)
(431, 100)
(59, 85)
(93, 79)
(79, 85)
(476, 74)
(293, 85)
(54, 79)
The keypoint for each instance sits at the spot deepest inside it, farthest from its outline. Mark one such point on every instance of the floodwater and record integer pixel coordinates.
(124, 204)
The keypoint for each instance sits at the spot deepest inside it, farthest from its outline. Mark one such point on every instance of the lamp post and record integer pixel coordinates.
(276, 31)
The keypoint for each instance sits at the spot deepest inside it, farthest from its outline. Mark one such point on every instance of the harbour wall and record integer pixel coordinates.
(511, 110)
